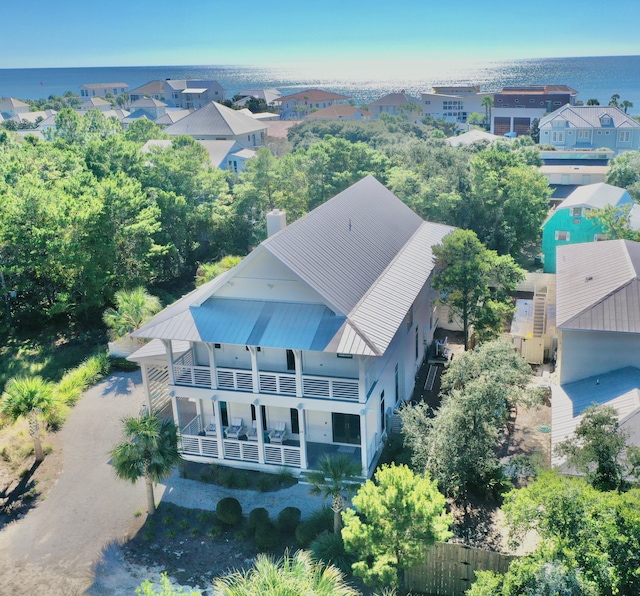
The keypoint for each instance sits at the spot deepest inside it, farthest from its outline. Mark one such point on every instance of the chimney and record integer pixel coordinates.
(276, 221)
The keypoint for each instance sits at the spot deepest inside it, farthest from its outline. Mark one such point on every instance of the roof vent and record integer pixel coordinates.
(588, 279)
(276, 221)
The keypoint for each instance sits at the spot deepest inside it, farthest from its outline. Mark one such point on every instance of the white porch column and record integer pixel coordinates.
(259, 431)
(362, 388)
(364, 442)
(212, 366)
(199, 409)
(145, 385)
(254, 369)
(219, 429)
(297, 357)
(174, 410)
(302, 424)
(167, 345)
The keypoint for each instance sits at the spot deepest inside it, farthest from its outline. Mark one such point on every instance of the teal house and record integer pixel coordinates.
(568, 223)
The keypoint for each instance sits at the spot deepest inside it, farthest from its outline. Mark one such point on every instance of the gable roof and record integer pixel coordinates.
(171, 117)
(364, 252)
(103, 85)
(11, 102)
(596, 196)
(147, 102)
(598, 286)
(589, 117)
(217, 150)
(215, 119)
(313, 95)
(395, 99)
(471, 136)
(193, 85)
(150, 88)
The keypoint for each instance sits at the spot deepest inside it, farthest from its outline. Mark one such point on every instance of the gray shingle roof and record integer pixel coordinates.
(364, 252)
(215, 119)
(589, 117)
(598, 286)
(150, 88)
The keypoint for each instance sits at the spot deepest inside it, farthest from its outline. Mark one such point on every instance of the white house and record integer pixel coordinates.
(101, 89)
(215, 122)
(95, 103)
(396, 104)
(10, 107)
(192, 93)
(453, 104)
(300, 104)
(598, 324)
(311, 340)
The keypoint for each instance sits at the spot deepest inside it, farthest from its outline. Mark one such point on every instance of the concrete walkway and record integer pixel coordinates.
(52, 550)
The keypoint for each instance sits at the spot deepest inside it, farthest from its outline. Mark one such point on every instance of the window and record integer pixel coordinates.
(584, 135)
(562, 235)
(217, 346)
(291, 360)
(557, 103)
(624, 136)
(397, 388)
(344, 355)
(599, 237)
(295, 421)
(382, 412)
(557, 136)
(586, 178)
(417, 341)
(410, 318)
(427, 102)
(224, 414)
(576, 212)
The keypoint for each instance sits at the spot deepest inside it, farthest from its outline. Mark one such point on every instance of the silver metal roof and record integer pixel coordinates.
(215, 119)
(598, 286)
(596, 196)
(589, 117)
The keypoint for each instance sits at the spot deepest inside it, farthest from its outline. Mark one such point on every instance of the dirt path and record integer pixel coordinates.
(53, 549)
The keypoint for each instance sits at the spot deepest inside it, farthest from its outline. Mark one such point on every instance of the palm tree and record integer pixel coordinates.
(150, 451)
(614, 100)
(487, 104)
(31, 398)
(625, 105)
(336, 477)
(288, 576)
(133, 308)
(593, 102)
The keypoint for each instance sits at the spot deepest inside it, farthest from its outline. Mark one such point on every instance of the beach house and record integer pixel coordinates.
(306, 346)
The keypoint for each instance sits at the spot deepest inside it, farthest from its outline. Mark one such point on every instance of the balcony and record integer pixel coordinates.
(276, 383)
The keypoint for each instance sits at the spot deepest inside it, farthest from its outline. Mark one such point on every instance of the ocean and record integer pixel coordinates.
(593, 77)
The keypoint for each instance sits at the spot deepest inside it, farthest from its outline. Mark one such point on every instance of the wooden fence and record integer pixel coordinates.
(449, 569)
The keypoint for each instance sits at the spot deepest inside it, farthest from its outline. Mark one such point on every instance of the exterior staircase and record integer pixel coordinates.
(539, 312)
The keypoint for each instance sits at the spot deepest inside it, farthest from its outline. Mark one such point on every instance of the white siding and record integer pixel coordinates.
(228, 356)
(329, 365)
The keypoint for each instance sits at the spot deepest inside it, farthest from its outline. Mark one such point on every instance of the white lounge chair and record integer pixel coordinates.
(252, 433)
(279, 434)
(236, 429)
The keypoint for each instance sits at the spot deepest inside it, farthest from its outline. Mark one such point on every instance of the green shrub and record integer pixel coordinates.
(266, 536)
(258, 516)
(289, 519)
(229, 511)
(266, 482)
(77, 380)
(329, 549)
(319, 521)
(214, 531)
(122, 364)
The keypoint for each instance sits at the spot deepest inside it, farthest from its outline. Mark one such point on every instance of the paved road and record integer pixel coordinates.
(52, 550)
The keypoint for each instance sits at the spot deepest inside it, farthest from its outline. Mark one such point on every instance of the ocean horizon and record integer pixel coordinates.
(596, 77)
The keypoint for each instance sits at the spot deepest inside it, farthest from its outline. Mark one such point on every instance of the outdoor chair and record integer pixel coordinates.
(236, 429)
(252, 434)
(210, 430)
(279, 433)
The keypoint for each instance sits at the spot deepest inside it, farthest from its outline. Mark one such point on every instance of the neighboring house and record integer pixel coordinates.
(215, 122)
(299, 104)
(151, 108)
(453, 104)
(515, 108)
(226, 155)
(171, 116)
(396, 104)
(95, 103)
(270, 96)
(590, 127)
(472, 136)
(101, 89)
(598, 323)
(192, 93)
(152, 89)
(340, 112)
(33, 117)
(568, 222)
(317, 334)
(10, 107)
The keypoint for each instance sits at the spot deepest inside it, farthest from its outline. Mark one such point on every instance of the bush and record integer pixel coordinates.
(319, 521)
(266, 536)
(329, 549)
(289, 519)
(258, 516)
(229, 511)
(75, 381)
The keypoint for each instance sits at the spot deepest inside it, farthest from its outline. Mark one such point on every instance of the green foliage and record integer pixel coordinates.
(165, 588)
(475, 283)
(329, 548)
(289, 520)
(288, 576)
(624, 171)
(208, 271)
(149, 451)
(76, 381)
(398, 516)
(258, 516)
(598, 448)
(229, 511)
(266, 536)
(133, 308)
(319, 521)
(458, 444)
(615, 222)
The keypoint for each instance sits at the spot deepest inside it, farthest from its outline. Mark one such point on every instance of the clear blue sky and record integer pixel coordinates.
(129, 33)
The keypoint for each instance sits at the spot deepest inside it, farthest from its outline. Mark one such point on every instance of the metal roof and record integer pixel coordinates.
(194, 90)
(150, 88)
(215, 119)
(598, 288)
(313, 95)
(364, 252)
(471, 136)
(589, 117)
(596, 196)
(395, 99)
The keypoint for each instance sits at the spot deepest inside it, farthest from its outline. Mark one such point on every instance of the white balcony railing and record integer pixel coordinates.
(235, 379)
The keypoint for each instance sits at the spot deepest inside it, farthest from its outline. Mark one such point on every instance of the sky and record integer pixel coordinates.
(340, 34)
